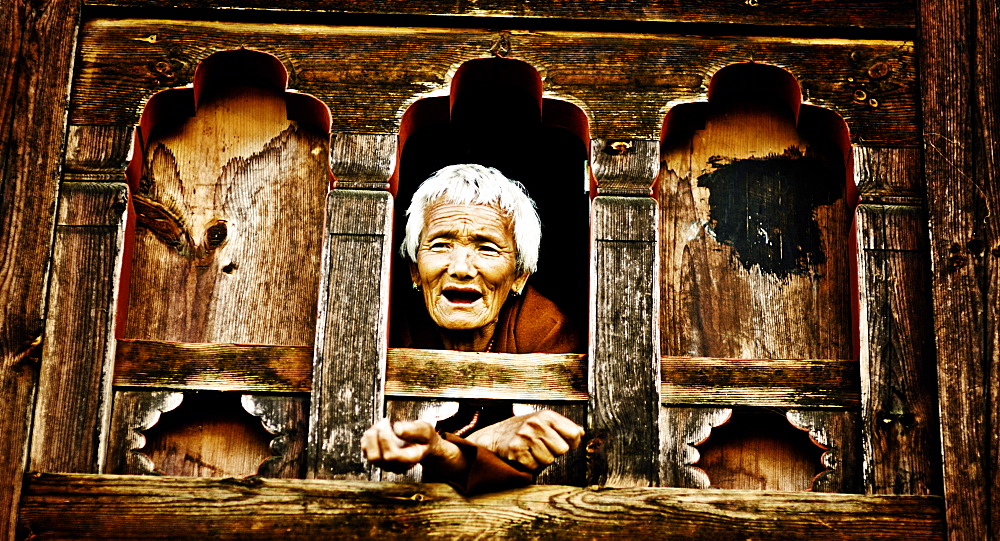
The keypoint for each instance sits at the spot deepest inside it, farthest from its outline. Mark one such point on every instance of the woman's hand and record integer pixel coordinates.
(534, 440)
(399, 446)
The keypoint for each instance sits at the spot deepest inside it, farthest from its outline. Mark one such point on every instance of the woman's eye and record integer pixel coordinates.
(489, 249)
(439, 245)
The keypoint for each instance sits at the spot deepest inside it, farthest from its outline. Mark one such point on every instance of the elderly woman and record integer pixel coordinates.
(472, 239)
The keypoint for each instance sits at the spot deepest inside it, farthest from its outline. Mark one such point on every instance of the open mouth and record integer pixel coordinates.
(458, 296)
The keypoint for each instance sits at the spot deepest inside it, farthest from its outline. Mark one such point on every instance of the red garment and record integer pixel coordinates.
(528, 323)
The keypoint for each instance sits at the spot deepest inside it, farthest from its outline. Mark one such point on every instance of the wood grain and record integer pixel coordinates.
(351, 342)
(962, 198)
(838, 433)
(208, 366)
(452, 374)
(704, 381)
(987, 78)
(229, 226)
(70, 431)
(158, 507)
(741, 276)
(287, 418)
(872, 15)
(36, 40)
(441, 374)
(625, 82)
(135, 412)
(624, 377)
(900, 417)
(99, 148)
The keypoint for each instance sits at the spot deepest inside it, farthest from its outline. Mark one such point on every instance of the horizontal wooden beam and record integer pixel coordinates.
(537, 377)
(454, 374)
(148, 507)
(707, 381)
(217, 367)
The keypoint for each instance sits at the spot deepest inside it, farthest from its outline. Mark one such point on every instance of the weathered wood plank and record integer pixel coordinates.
(987, 77)
(851, 13)
(209, 366)
(624, 378)
(134, 412)
(900, 416)
(351, 342)
(287, 417)
(37, 40)
(363, 161)
(837, 432)
(99, 148)
(962, 203)
(681, 429)
(625, 167)
(229, 215)
(624, 81)
(452, 374)
(755, 221)
(888, 175)
(73, 412)
(158, 507)
(760, 382)
(441, 374)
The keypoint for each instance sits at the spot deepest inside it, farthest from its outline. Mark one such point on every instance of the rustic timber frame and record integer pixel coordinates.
(63, 198)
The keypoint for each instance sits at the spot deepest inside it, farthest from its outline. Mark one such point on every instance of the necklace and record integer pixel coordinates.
(468, 427)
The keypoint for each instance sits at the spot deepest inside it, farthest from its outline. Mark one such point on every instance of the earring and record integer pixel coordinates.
(515, 292)
(416, 287)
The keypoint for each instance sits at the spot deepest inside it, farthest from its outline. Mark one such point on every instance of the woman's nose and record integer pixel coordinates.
(461, 264)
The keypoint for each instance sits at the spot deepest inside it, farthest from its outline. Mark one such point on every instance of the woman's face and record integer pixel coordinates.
(466, 264)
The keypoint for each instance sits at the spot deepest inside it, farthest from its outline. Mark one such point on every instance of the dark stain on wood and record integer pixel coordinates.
(765, 209)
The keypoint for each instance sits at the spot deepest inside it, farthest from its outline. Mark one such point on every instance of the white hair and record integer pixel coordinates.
(473, 184)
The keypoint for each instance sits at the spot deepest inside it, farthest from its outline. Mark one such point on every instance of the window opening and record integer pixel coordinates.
(496, 116)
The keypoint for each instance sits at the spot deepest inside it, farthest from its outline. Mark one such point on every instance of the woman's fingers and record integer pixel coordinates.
(397, 447)
(539, 438)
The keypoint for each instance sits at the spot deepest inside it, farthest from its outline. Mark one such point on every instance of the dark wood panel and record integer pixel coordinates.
(961, 205)
(851, 13)
(208, 366)
(37, 42)
(760, 382)
(624, 441)
(158, 507)
(900, 414)
(452, 374)
(351, 342)
(987, 78)
(74, 410)
(367, 77)
(889, 175)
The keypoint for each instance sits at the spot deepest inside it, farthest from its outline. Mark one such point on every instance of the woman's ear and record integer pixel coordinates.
(519, 282)
(414, 274)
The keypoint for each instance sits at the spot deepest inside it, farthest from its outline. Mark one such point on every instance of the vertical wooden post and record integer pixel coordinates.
(37, 41)
(73, 410)
(960, 116)
(624, 366)
(899, 391)
(351, 341)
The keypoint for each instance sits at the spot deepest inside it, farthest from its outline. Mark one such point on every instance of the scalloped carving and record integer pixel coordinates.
(755, 450)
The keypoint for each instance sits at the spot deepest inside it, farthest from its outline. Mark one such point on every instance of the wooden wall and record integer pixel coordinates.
(957, 41)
